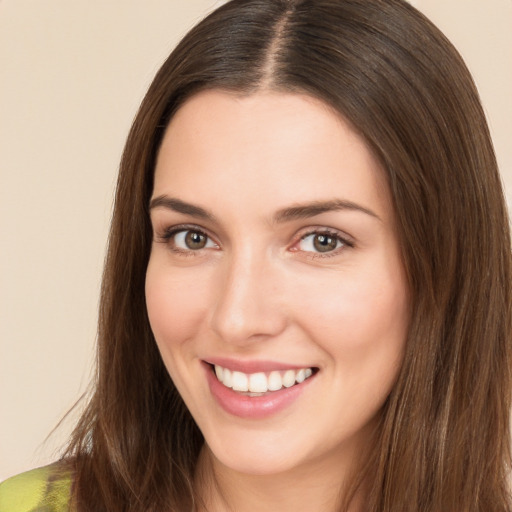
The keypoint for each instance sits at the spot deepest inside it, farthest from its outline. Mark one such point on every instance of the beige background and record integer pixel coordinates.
(72, 74)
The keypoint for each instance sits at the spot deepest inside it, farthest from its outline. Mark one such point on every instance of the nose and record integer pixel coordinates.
(248, 305)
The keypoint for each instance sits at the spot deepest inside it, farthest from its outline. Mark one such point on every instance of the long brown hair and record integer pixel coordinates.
(443, 441)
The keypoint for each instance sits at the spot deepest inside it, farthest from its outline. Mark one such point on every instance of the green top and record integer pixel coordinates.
(45, 489)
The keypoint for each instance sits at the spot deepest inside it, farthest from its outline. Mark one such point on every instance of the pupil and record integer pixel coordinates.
(324, 243)
(195, 240)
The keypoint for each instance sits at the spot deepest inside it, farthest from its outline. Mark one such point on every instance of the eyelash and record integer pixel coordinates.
(169, 234)
(345, 243)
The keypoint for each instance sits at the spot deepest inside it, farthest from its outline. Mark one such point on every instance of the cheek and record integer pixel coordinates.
(362, 327)
(360, 318)
(175, 304)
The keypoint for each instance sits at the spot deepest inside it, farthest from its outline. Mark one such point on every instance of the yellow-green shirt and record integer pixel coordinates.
(46, 489)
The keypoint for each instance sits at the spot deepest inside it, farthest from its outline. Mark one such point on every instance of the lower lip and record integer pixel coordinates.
(255, 407)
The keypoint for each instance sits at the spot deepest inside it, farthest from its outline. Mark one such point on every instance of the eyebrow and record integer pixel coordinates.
(180, 206)
(295, 212)
(304, 211)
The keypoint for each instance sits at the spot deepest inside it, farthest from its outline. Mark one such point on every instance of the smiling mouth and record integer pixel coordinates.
(261, 383)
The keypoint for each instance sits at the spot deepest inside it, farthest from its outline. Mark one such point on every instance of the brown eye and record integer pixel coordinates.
(195, 240)
(325, 243)
(191, 240)
(320, 243)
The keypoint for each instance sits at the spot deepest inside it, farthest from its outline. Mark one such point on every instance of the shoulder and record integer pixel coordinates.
(47, 488)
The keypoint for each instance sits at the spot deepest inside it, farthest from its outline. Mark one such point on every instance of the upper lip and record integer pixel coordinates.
(253, 366)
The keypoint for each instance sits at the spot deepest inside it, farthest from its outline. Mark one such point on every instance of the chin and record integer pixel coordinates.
(259, 457)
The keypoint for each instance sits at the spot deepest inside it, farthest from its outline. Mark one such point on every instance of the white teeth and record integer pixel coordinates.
(227, 378)
(256, 384)
(240, 381)
(289, 379)
(301, 376)
(275, 381)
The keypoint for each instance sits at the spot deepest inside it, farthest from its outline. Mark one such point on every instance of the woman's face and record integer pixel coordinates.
(275, 264)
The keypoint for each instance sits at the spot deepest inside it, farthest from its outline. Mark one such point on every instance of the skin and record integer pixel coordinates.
(260, 290)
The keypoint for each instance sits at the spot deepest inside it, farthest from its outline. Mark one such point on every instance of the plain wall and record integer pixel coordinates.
(71, 77)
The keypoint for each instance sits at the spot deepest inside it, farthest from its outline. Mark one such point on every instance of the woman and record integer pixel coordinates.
(306, 299)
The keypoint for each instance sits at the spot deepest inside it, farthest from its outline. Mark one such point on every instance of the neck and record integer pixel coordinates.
(313, 488)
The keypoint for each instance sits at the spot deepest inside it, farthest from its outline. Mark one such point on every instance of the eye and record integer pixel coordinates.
(323, 242)
(189, 240)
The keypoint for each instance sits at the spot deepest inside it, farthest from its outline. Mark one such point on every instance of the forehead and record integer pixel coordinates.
(282, 147)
